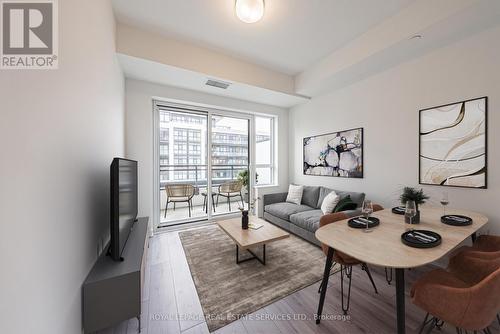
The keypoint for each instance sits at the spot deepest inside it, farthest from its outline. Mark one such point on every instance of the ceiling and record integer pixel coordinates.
(292, 36)
(150, 71)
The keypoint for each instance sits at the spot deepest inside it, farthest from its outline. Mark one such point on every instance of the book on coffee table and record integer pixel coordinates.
(255, 226)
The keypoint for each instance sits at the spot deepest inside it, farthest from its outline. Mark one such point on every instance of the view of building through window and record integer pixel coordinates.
(183, 145)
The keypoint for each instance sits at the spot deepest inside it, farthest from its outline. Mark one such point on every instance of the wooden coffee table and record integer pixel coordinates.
(246, 239)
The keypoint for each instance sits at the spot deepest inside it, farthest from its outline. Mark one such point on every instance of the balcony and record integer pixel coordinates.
(196, 175)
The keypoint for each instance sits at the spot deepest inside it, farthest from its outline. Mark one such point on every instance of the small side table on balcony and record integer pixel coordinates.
(205, 203)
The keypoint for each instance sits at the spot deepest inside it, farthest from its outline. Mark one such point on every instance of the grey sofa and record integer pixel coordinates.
(303, 220)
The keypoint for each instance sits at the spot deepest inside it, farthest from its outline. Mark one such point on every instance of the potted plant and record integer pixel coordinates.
(244, 178)
(413, 194)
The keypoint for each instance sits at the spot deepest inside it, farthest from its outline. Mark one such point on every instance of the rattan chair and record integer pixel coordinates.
(178, 193)
(230, 189)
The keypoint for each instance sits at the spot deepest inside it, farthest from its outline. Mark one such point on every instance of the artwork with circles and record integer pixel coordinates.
(334, 154)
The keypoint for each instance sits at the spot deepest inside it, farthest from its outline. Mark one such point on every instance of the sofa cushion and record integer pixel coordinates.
(345, 203)
(308, 220)
(295, 194)
(330, 202)
(356, 197)
(283, 210)
(310, 196)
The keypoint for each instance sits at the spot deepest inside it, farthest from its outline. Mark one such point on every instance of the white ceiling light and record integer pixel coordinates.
(249, 11)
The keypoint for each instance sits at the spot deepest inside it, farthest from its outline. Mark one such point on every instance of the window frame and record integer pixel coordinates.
(273, 140)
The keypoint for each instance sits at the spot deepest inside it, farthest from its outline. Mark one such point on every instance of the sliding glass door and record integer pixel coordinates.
(230, 163)
(182, 145)
(203, 164)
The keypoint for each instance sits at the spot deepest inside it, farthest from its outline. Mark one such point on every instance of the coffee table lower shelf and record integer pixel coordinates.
(254, 256)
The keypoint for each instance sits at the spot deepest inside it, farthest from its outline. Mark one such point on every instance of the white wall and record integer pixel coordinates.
(139, 130)
(387, 106)
(59, 130)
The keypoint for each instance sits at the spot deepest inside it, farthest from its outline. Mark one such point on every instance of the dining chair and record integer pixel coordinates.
(466, 298)
(346, 262)
(179, 193)
(485, 247)
(229, 190)
(484, 243)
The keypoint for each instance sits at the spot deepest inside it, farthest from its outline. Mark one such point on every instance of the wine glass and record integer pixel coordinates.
(444, 202)
(367, 210)
(410, 210)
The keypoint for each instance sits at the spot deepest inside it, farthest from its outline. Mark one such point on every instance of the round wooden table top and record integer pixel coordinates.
(383, 247)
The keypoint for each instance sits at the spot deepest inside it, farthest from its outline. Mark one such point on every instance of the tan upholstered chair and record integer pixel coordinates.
(346, 262)
(230, 189)
(179, 193)
(485, 247)
(465, 296)
(487, 244)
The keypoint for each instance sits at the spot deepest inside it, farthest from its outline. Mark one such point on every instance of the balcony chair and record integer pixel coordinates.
(230, 189)
(178, 193)
(465, 295)
(205, 202)
(346, 262)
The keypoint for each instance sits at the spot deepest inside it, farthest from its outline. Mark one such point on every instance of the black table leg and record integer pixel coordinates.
(473, 237)
(400, 299)
(324, 283)
(254, 256)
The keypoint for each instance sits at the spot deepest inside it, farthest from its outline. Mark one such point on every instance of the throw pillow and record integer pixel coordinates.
(344, 204)
(330, 202)
(294, 194)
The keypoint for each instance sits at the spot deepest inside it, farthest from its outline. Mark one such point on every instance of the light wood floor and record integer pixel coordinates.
(171, 304)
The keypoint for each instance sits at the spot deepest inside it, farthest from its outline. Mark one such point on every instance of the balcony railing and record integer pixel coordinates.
(197, 174)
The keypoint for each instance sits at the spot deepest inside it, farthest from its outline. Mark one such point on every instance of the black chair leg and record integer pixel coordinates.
(174, 206)
(424, 323)
(364, 266)
(217, 204)
(204, 203)
(229, 203)
(388, 275)
(166, 208)
(189, 206)
(349, 276)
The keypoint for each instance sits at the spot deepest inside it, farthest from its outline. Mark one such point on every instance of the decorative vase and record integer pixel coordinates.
(244, 219)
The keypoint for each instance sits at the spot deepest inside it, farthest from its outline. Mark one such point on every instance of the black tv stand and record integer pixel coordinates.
(108, 253)
(112, 291)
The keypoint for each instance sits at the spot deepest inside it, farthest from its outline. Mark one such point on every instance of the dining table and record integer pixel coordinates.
(383, 246)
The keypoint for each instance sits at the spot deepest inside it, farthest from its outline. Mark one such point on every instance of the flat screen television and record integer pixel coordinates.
(123, 173)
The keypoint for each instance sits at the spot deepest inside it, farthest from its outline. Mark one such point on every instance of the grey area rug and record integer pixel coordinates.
(228, 290)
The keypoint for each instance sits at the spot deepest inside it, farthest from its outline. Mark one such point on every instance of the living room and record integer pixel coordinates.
(250, 166)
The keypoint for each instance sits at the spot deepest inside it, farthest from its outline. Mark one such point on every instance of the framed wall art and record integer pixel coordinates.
(334, 154)
(453, 144)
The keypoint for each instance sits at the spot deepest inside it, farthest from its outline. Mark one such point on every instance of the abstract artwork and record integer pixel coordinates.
(335, 154)
(453, 144)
